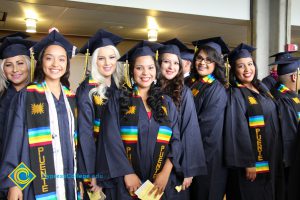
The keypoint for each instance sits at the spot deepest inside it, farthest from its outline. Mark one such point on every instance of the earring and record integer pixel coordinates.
(155, 81)
(132, 81)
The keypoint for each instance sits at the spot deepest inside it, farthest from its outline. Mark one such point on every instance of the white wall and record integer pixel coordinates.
(235, 9)
(295, 13)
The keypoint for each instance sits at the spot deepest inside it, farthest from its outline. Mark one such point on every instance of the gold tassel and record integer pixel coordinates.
(227, 68)
(196, 49)
(156, 55)
(297, 79)
(126, 74)
(31, 64)
(86, 62)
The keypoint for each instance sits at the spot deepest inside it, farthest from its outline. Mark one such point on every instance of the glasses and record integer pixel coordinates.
(206, 60)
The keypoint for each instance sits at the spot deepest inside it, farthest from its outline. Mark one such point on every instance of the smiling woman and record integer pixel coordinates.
(43, 125)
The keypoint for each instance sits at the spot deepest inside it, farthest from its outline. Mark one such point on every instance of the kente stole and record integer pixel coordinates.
(40, 139)
(257, 129)
(129, 135)
(284, 91)
(201, 84)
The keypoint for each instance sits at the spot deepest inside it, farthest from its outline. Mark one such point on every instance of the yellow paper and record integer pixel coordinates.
(96, 195)
(143, 192)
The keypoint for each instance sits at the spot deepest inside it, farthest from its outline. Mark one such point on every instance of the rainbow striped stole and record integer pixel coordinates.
(257, 132)
(283, 89)
(40, 136)
(36, 88)
(164, 134)
(129, 134)
(256, 121)
(68, 92)
(135, 92)
(208, 79)
(97, 125)
(92, 82)
(262, 167)
(46, 196)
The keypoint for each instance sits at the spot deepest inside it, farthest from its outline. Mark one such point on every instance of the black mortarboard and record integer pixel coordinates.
(289, 65)
(101, 38)
(143, 48)
(17, 34)
(187, 55)
(216, 43)
(282, 56)
(241, 51)
(173, 46)
(14, 46)
(54, 38)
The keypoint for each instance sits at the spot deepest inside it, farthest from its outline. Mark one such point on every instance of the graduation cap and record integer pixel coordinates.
(187, 55)
(241, 51)
(173, 46)
(14, 46)
(216, 43)
(101, 38)
(282, 56)
(54, 38)
(289, 65)
(143, 48)
(17, 34)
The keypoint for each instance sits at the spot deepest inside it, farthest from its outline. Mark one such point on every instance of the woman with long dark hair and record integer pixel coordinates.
(252, 133)
(92, 96)
(172, 83)
(140, 131)
(210, 101)
(43, 132)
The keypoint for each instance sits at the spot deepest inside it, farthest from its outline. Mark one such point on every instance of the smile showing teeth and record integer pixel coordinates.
(107, 68)
(54, 71)
(145, 79)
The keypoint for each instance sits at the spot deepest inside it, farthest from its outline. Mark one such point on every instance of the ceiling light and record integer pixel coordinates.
(152, 29)
(152, 35)
(30, 25)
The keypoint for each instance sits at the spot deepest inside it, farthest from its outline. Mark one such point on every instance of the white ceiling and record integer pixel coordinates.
(82, 19)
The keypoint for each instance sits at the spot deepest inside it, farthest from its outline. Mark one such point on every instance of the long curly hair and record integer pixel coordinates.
(255, 82)
(174, 87)
(219, 71)
(39, 75)
(154, 100)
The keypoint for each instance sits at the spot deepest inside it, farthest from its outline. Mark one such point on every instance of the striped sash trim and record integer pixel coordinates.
(39, 136)
(262, 167)
(164, 134)
(47, 196)
(129, 134)
(256, 121)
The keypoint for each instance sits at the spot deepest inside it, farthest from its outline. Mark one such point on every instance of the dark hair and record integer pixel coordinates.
(174, 87)
(154, 100)
(39, 75)
(255, 82)
(219, 71)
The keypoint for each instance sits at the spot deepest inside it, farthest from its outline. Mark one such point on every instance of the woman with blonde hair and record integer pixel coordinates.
(14, 75)
(92, 95)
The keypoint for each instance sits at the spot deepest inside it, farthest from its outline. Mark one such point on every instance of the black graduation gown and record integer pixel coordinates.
(5, 101)
(294, 175)
(86, 116)
(193, 160)
(116, 159)
(288, 123)
(210, 107)
(17, 148)
(239, 152)
(269, 81)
